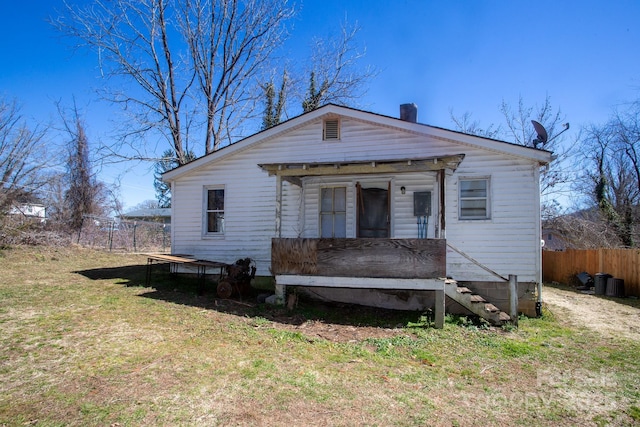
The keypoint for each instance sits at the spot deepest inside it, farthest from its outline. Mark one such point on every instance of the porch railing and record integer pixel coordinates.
(392, 258)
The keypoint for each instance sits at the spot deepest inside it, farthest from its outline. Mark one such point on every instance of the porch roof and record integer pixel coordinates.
(294, 171)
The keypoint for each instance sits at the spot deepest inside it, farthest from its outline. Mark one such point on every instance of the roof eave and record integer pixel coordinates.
(543, 157)
(247, 142)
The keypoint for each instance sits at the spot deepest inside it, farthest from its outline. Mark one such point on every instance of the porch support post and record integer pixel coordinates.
(439, 309)
(443, 225)
(281, 291)
(278, 206)
(513, 298)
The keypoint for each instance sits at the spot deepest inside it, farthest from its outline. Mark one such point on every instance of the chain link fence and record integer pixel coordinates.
(123, 235)
(106, 233)
(23, 230)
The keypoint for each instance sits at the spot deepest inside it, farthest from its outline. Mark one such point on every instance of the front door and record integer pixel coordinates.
(373, 212)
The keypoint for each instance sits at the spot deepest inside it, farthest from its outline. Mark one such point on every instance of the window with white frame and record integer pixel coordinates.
(333, 212)
(474, 198)
(214, 214)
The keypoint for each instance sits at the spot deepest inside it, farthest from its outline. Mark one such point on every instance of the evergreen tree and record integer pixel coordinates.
(314, 96)
(269, 120)
(273, 109)
(282, 98)
(165, 164)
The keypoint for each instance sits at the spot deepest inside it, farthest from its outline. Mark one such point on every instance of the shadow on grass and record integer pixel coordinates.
(129, 275)
(186, 289)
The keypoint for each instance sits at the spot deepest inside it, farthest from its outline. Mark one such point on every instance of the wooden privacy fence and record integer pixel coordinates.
(562, 266)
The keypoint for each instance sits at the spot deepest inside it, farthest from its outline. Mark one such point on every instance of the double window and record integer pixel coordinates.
(333, 212)
(214, 210)
(474, 198)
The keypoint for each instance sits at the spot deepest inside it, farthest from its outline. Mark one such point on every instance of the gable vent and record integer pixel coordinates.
(331, 129)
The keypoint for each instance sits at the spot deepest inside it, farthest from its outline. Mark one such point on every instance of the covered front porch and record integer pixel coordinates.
(364, 263)
(395, 210)
(360, 256)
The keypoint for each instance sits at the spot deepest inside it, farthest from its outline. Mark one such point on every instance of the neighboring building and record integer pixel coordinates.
(341, 173)
(29, 210)
(584, 229)
(162, 215)
(553, 240)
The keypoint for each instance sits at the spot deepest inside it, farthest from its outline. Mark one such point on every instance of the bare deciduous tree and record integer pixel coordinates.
(146, 204)
(611, 173)
(521, 131)
(582, 230)
(466, 124)
(83, 194)
(229, 41)
(334, 76)
(53, 196)
(518, 122)
(517, 128)
(23, 156)
(192, 65)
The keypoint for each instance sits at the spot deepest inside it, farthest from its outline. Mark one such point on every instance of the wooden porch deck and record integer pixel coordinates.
(391, 264)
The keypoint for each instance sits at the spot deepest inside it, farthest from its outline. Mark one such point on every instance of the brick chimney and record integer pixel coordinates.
(409, 113)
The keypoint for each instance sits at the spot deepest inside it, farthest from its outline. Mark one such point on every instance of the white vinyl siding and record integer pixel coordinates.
(508, 243)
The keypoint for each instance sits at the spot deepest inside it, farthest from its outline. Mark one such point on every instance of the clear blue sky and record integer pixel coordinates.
(465, 56)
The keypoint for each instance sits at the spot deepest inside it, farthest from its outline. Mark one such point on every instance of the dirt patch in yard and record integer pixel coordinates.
(608, 316)
(317, 329)
(611, 317)
(337, 322)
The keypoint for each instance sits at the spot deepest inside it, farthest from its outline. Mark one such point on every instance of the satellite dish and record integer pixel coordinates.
(543, 137)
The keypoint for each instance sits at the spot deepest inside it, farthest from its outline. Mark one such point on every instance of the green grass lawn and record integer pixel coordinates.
(83, 342)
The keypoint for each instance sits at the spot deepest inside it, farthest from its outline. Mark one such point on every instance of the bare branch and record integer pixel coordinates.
(190, 65)
(335, 76)
(184, 71)
(23, 156)
(466, 124)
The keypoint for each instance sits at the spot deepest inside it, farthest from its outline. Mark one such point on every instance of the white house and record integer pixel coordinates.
(341, 173)
(29, 210)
